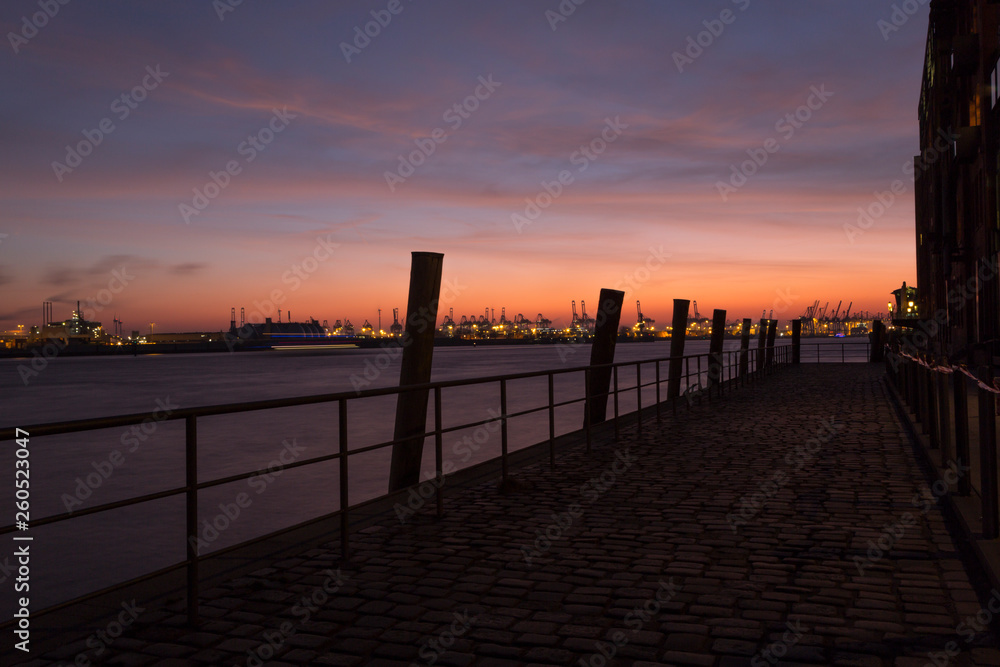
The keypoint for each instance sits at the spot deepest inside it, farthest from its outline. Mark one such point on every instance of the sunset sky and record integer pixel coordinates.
(307, 212)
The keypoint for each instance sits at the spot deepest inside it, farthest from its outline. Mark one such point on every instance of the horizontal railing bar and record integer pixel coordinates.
(118, 504)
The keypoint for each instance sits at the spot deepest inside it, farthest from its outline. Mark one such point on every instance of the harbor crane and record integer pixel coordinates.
(641, 322)
(576, 320)
(585, 319)
(396, 329)
(837, 312)
(697, 315)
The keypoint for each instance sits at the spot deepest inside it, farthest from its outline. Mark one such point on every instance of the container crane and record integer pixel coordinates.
(576, 321)
(697, 315)
(584, 317)
(396, 329)
(642, 322)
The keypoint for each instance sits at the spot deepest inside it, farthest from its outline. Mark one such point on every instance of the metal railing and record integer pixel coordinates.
(704, 376)
(853, 352)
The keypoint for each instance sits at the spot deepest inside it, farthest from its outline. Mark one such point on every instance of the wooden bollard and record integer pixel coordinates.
(877, 340)
(745, 347)
(415, 369)
(715, 348)
(772, 331)
(602, 351)
(796, 341)
(677, 336)
(761, 342)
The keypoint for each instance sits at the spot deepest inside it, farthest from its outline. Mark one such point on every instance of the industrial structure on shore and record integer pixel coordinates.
(81, 335)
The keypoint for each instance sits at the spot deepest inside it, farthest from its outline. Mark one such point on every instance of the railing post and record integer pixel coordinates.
(988, 455)
(616, 401)
(503, 430)
(944, 416)
(658, 390)
(345, 502)
(745, 347)
(933, 409)
(962, 454)
(638, 396)
(191, 475)
(552, 421)
(438, 451)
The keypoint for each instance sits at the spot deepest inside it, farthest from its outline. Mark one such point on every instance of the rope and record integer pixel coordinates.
(995, 389)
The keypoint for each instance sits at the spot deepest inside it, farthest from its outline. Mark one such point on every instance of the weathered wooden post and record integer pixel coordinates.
(745, 347)
(415, 369)
(962, 455)
(761, 342)
(602, 351)
(677, 335)
(796, 341)
(877, 341)
(944, 415)
(715, 348)
(772, 331)
(988, 455)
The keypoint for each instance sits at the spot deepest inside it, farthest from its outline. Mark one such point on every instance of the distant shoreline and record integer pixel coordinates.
(216, 346)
